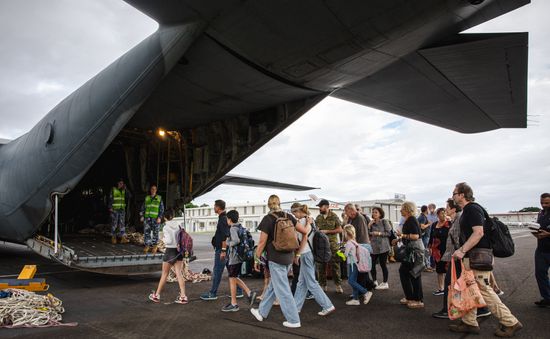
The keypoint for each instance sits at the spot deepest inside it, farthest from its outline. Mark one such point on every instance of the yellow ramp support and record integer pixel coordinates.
(26, 281)
(27, 272)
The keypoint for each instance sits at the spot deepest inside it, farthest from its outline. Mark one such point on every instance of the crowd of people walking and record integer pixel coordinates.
(429, 242)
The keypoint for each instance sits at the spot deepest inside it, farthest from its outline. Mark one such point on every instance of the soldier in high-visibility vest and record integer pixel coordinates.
(117, 207)
(151, 214)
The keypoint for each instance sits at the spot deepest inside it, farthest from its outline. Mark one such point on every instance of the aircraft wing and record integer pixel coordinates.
(472, 83)
(232, 179)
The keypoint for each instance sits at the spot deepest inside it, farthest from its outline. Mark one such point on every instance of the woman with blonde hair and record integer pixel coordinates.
(304, 257)
(279, 263)
(411, 268)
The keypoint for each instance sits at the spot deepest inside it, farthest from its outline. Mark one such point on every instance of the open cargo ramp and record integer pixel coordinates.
(95, 253)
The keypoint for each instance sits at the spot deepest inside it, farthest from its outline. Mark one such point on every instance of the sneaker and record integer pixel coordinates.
(181, 300)
(113, 240)
(441, 315)
(154, 297)
(353, 302)
(238, 296)
(392, 259)
(325, 288)
(367, 297)
(404, 301)
(415, 304)
(483, 312)
(376, 283)
(339, 289)
(252, 298)
(438, 292)
(208, 296)
(276, 302)
(256, 313)
(146, 249)
(230, 308)
(508, 331)
(310, 296)
(464, 328)
(543, 303)
(292, 325)
(428, 269)
(327, 311)
(382, 286)
(124, 240)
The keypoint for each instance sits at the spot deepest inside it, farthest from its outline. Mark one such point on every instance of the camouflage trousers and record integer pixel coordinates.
(118, 219)
(150, 232)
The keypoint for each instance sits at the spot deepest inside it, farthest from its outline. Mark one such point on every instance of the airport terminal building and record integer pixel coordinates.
(204, 219)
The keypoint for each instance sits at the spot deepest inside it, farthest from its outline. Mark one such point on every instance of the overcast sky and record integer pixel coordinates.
(49, 48)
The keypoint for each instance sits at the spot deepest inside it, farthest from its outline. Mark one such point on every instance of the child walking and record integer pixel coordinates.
(171, 259)
(351, 258)
(235, 263)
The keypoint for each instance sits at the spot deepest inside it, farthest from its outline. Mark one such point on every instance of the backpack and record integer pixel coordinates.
(364, 260)
(499, 236)
(245, 248)
(284, 236)
(321, 246)
(184, 243)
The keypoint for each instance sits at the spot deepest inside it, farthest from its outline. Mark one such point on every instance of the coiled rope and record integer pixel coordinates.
(27, 309)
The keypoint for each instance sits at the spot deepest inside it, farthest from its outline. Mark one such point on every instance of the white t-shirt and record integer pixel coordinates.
(170, 232)
(306, 249)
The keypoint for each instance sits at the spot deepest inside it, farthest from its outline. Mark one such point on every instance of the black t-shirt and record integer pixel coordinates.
(472, 215)
(410, 226)
(267, 225)
(543, 220)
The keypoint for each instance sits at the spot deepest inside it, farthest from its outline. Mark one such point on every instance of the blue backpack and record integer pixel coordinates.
(245, 248)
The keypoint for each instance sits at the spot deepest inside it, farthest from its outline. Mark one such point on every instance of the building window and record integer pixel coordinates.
(244, 210)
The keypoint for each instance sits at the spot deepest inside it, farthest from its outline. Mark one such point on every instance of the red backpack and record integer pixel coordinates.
(185, 243)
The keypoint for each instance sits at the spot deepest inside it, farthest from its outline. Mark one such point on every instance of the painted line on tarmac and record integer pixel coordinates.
(523, 236)
(269, 328)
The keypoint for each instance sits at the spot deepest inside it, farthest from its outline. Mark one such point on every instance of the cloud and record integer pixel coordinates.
(350, 151)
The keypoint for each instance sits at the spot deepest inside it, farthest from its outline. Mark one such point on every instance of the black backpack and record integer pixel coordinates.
(499, 236)
(321, 246)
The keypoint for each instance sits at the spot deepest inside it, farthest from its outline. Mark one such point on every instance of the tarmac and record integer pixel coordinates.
(117, 307)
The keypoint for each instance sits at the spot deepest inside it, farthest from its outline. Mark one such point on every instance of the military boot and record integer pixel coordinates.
(146, 250)
(124, 240)
(113, 240)
(154, 249)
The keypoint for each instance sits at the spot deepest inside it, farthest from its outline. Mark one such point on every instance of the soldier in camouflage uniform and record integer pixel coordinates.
(328, 223)
(151, 214)
(118, 197)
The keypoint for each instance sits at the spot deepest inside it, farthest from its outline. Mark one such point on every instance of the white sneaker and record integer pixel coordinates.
(353, 302)
(375, 283)
(292, 325)
(368, 295)
(256, 313)
(382, 286)
(327, 311)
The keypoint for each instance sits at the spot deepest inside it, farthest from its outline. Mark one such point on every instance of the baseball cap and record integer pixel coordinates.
(323, 202)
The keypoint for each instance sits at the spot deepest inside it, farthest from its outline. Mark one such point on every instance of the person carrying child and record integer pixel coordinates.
(235, 264)
(171, 258)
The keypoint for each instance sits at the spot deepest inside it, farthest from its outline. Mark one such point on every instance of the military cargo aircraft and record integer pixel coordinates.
(220, 78)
